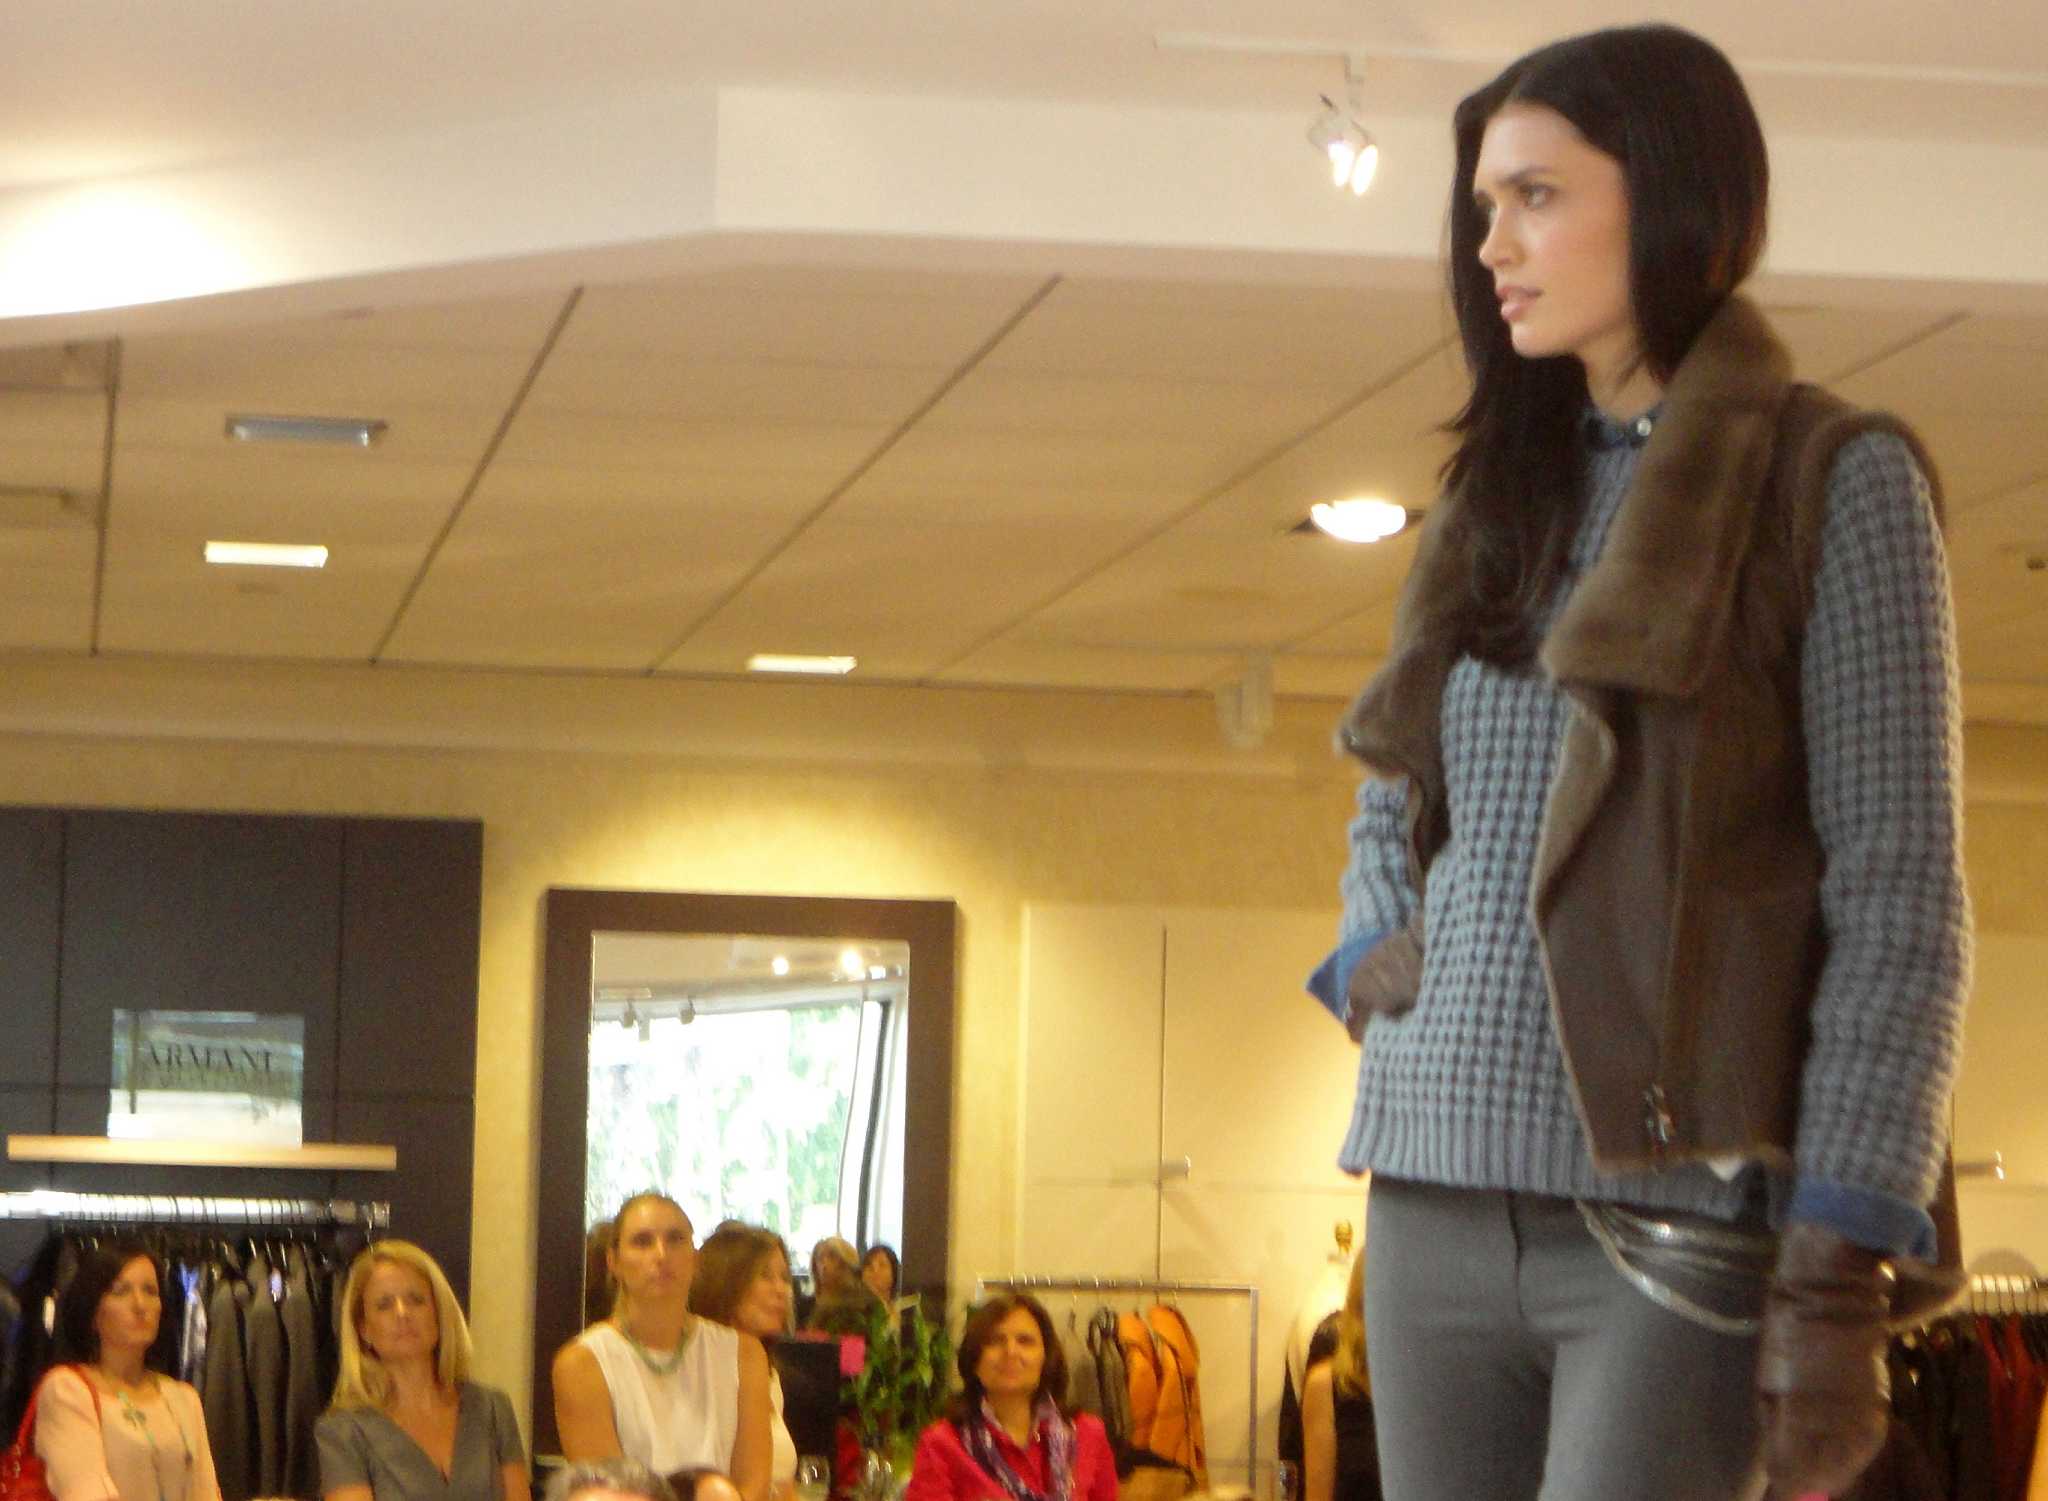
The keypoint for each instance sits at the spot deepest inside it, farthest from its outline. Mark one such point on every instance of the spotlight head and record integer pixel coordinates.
(1353, 155)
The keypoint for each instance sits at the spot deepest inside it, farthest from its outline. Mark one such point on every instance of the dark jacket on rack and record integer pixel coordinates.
(1678, 813)
(224, 1390)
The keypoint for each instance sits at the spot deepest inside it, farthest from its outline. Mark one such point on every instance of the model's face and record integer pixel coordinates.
(130, 1309)
(879, 1275)
(656, 1254)
(764, 1307)
(398, 1321)
(1013, 1359)
(1558, 241)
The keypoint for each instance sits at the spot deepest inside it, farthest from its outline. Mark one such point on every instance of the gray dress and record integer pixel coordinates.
(361, 1446)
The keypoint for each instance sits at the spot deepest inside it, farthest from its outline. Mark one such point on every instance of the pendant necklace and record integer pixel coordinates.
(138, 1420)
(661, 1365)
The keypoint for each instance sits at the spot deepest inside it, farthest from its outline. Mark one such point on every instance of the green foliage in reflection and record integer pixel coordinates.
(742, 1117)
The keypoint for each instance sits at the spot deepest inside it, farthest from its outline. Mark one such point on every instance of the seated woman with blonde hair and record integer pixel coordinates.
(686, 1397)
(1340, 1457)
(406, 1421)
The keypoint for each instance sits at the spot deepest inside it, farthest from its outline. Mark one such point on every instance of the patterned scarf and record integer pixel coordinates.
(980, 1441)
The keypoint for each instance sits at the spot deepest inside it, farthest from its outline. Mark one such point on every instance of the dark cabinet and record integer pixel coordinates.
(366, 928)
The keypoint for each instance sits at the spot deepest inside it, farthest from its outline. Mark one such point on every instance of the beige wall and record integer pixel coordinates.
(1066, 798)
(992, 839)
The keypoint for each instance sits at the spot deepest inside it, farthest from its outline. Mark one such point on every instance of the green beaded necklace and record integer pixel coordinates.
(136, 1418)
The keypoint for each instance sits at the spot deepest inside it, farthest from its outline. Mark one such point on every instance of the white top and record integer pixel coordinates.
(781, 1447)
(686, 1419)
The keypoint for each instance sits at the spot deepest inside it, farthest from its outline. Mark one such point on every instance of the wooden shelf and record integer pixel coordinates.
(324, 1156)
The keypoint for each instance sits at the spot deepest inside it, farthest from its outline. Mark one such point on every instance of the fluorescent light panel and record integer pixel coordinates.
(350, 432)
(768, 661)
(267, 554)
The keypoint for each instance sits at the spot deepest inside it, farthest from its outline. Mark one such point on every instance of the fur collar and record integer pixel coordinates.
(1647, 614)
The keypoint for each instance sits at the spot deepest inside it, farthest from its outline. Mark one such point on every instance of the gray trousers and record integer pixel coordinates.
(1511, 1361)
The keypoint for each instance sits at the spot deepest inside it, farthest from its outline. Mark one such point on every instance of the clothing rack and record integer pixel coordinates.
(191, 1209)
(1244, 1290)
(1995, 1293)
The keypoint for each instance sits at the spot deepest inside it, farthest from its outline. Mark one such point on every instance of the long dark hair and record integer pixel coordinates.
(1669, 107)
(981, 1323)
(78, 1335)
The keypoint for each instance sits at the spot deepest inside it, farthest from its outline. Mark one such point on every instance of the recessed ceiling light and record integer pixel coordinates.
(267, 554)
(779, 965)
(1363, 518)
(350, 432)
(767, 661)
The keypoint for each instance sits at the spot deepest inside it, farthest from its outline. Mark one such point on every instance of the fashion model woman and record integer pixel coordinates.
(743, 1281)
(1009, 1436)
(1655, 926)
(685, 1397)
(406, 1422)
(107, 1427)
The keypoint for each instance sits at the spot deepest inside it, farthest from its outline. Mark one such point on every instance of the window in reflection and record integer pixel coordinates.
(750, 1077)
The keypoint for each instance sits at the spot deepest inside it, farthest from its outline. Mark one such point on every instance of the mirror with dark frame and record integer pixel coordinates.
(639, 987)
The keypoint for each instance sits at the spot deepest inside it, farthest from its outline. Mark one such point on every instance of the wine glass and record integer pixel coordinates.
(813, 1478)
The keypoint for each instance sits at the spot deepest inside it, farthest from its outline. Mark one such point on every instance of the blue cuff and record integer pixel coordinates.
(1332, 977)
(1875, 1221)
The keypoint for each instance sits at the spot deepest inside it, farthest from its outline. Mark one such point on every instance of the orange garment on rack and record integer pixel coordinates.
(1141, 1375)
(1161, 1364)
(1177, 1430)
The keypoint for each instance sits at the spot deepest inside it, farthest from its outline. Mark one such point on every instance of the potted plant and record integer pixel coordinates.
(898, 1375)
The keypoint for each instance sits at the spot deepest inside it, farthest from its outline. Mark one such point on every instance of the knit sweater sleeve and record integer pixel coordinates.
(1378, 896)
(1882, 720)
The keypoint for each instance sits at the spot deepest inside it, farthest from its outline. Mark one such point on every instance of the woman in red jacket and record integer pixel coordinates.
(1009, 1436)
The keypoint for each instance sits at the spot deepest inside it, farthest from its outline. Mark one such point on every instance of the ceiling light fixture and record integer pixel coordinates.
(779, 965)
(267, 554)
(1363, 518)
(768, 661)
(351, 432)
(1353, 155)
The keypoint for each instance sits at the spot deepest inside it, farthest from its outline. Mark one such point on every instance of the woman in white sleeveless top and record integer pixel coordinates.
(654, 1382)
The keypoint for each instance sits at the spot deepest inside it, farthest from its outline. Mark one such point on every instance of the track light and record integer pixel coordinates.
(1348, 146)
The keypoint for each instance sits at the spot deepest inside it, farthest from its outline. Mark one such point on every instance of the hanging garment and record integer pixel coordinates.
(1141, 1377)
(1177, 1426)
(1111, 1383)
(263, 1341)
(2037, 1486)
(230, 1418)
(303, 1397)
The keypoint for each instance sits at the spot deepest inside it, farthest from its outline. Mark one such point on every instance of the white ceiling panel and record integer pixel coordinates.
(565, 568)
(307, 380)
(1947, 374)
(1369, 630)
(904, 600)
(1322, 675)
(661, 386)
(2016, 652)
(935, 476)
(50, 420)
(995, 400)
(47, 558)
(1025, 663)
(1265, 336)
(785, 319)
(821, 452)
(1828, 342)
(161, 596)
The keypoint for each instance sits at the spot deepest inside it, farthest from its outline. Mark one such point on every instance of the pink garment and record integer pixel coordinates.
(123, 1451)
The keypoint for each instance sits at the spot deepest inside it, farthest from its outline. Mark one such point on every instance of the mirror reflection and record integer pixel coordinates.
(749, 1076)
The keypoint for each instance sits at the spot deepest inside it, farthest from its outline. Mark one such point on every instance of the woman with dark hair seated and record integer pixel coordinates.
(1009, 1436)
(107, 1428)
(882, 1272)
